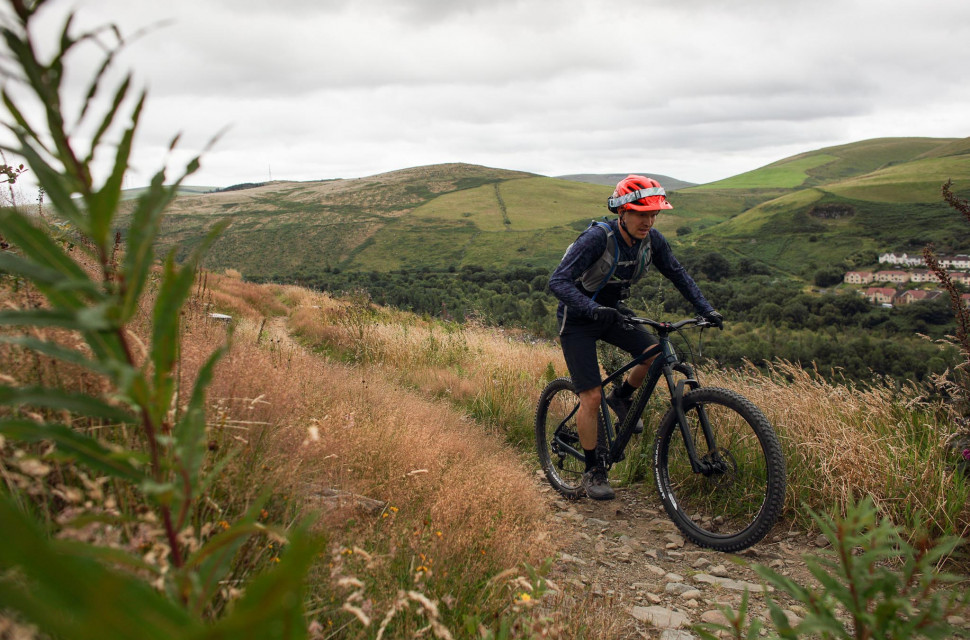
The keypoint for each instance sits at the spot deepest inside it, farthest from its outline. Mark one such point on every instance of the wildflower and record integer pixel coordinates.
(524, 597)
(263, 513)
(437, 533)
(966, 454)
(394, 509)
(224, 524)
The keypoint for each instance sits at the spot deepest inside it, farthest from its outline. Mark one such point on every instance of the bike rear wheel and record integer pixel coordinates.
(557, 439)
(738, 499)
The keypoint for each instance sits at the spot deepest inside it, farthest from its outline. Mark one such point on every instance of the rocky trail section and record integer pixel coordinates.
(629, 558)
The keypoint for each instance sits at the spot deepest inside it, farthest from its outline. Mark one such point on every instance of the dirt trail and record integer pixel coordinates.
(628, 555)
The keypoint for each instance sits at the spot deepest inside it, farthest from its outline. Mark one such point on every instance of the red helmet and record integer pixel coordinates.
(638, 193)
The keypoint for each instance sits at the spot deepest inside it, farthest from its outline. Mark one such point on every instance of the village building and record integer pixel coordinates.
(901, 259)
(960, 276)
(916, 295)
(897, 276)
(858, 277)
(880, 295)
(922, 275)
(955, 262)
(959, 261)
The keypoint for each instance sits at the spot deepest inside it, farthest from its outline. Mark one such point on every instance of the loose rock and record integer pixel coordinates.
(660, 617)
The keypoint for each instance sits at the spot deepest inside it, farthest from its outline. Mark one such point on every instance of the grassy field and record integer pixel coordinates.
(784, 175)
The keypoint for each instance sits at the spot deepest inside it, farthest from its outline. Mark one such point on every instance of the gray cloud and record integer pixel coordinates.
(698, 89)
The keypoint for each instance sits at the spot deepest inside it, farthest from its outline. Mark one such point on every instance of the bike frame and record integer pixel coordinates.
(665, 364)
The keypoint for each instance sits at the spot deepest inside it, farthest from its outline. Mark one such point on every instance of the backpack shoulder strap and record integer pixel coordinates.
(610, 238)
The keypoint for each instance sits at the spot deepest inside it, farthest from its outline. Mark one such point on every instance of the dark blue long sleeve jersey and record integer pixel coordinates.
(587, 250)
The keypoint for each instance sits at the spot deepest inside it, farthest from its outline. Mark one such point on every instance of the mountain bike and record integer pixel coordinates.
(717, 463)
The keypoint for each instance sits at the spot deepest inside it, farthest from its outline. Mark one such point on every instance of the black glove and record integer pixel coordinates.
(625, 310)
(715, 318)
(607, 315)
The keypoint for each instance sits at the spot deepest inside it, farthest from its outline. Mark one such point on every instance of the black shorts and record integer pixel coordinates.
(579, 338)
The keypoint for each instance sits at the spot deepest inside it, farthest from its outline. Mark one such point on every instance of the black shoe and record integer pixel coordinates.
(621, 407)
(597, 485)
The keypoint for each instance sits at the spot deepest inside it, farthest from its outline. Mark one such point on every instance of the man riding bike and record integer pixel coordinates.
(591, 282)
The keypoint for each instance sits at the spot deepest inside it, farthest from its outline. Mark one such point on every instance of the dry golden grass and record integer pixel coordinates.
(459, 505)
(842, 441)
(229, 294)
(417, 415)
(494, 376)
(839, 440)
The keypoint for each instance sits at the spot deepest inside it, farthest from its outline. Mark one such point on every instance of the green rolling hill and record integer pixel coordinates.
(843, 204)
(821, 207)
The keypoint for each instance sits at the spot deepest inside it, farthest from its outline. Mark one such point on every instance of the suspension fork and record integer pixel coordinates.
(698, 463)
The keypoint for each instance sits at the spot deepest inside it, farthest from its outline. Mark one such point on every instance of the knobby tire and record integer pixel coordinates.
(737, 505)
(555, 426)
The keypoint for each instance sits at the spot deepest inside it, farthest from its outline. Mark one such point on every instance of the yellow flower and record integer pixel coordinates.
(394, 509)
(524, 597)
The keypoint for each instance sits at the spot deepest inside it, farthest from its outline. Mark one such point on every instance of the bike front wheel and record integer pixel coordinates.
(738, 494)
(557, 438)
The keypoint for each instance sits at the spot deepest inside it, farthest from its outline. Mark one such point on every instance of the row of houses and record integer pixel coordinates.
(889, 296)
(947, 262)
(902, 277)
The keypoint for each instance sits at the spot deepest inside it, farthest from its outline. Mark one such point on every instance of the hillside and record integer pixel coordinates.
(819, 207)
(841, 204)
(610, 179)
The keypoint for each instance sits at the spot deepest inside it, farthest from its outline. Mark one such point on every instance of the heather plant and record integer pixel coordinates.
(959, 384)
(126, 455)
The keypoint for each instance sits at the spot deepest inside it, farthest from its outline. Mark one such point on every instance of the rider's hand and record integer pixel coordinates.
(715, 318)
(625, 310)
(607, 315)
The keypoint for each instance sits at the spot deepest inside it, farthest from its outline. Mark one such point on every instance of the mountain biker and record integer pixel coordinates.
(591, 282)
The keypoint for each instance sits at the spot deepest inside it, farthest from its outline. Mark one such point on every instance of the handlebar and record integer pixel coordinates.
(667, 327)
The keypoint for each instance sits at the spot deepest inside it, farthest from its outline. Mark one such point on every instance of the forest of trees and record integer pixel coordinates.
(767, 316)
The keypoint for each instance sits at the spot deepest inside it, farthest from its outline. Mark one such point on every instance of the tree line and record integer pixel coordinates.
(767, 316)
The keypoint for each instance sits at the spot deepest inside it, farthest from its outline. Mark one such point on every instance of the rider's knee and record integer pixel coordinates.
(591, 397)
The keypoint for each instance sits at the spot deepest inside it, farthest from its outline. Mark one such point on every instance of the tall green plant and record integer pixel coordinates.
(872, 584)
(48, 581)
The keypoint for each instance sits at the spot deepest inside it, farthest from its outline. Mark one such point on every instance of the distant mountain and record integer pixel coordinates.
(833, 206)
(183, 190)
(611, 179)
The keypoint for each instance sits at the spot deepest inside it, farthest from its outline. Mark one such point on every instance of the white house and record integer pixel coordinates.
(901, 258)
(955, 262)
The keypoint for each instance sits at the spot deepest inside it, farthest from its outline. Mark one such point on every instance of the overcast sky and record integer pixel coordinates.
(695, 89)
